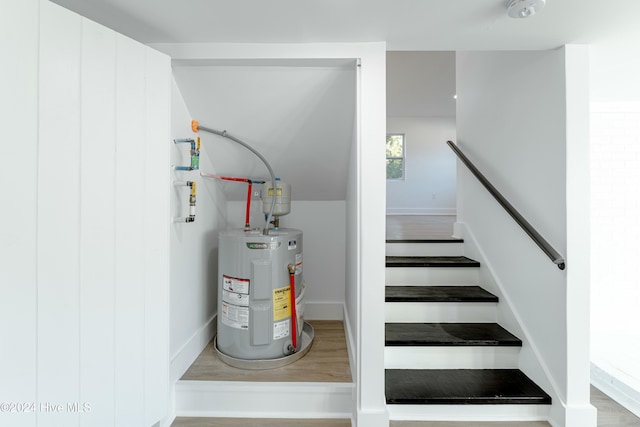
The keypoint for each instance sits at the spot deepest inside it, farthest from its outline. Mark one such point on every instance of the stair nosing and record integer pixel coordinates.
(431, 383)
(486, 298)
(437, 332)
(456, 261)
(424, 240)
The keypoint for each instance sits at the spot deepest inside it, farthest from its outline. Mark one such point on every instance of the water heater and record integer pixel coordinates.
(255, 312)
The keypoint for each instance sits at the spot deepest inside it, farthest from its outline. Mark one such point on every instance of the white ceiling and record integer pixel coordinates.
(421, 84)
(403, 24)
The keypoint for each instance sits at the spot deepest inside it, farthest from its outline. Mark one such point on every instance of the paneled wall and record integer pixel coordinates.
(18, 181)
(85, 227)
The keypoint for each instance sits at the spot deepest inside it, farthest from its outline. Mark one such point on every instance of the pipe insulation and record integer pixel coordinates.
(195, 126)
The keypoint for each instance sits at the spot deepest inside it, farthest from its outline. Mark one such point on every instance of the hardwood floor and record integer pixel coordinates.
(420, 227)
(326, 361)
(610, 413)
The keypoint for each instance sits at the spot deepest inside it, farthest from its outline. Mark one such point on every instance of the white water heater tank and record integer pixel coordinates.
(254, 294)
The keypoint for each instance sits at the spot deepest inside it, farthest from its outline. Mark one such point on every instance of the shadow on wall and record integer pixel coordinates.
(210, 297)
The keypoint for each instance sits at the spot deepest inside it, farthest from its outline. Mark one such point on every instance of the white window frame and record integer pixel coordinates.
(403, 157)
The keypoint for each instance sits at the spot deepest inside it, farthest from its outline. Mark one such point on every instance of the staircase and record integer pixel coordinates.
(446, 358)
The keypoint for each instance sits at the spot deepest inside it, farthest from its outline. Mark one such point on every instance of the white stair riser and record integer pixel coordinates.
(425, 249)
(451, 357)
(443, 312)
(431, 276)
(469, 413)
(264, 400)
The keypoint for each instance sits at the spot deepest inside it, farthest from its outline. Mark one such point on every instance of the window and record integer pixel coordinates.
(395, 156)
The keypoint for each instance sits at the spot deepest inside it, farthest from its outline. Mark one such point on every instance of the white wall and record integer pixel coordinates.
(87, 268)
(369, 219)
(615, 140)
(194, 248)
(298, 114)
(614, 68)
(522, 132)
(615, 350)
(429, 186)
(352, 309)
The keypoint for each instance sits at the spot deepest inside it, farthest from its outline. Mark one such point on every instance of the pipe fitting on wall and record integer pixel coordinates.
(194, 151)
(192, 201)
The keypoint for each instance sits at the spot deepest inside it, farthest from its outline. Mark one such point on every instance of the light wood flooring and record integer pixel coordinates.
(420, 227)
(326, 361)
(611, 413)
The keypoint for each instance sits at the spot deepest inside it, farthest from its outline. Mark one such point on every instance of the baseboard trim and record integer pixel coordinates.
(615, 387)
(351, 344)
(372, 418)
(458, 230)
(469, 413)
(323, 311)
(580, 415)
(263, 400)
(421, 211)
(505, 298)
(188, 353)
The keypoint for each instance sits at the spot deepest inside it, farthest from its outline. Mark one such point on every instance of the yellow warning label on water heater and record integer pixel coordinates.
(281, 303)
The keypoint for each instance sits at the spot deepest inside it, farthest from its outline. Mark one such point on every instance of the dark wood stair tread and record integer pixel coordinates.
(438, 294)
(431, 261)
(448, 334)
(462, 386)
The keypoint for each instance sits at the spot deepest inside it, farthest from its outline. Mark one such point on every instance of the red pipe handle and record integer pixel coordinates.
(294, 315)
(247, 214)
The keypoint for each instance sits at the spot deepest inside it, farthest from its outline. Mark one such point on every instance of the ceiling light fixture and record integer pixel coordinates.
(524, 8)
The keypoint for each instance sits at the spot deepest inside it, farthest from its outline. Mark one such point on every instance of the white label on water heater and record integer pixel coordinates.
(298, 264)
(235, 316)
(280, 329)
(233, 284)
(235, 298)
